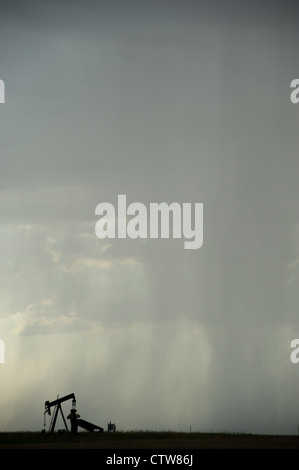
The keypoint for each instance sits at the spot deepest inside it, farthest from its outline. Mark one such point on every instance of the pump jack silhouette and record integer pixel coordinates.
(75, 419)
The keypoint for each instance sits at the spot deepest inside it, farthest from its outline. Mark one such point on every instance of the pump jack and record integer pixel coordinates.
(74, 418)
(57, 404)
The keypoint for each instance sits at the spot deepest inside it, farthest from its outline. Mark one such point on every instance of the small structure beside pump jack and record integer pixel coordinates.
(111, 427)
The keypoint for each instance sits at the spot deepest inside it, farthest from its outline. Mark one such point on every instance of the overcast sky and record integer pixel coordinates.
(161, 101)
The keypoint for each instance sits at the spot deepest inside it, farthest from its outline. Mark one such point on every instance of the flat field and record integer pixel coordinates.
(145, 440)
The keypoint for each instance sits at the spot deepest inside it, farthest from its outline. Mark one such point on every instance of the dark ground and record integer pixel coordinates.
(145, 440)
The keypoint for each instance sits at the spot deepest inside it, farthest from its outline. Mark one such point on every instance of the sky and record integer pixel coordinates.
(169, 101)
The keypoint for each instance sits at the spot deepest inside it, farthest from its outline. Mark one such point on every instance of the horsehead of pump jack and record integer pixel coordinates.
(113, 223)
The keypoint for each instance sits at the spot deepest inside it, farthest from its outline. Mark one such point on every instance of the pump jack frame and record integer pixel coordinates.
(58, 408)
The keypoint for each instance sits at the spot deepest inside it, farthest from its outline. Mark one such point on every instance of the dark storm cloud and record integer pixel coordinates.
(102, 64)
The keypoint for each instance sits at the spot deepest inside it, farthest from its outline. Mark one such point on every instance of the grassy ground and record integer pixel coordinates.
(145, 440)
